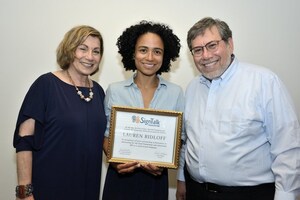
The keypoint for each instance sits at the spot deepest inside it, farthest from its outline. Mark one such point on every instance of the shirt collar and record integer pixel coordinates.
(130, 82)
(225, 76)
(230, 70)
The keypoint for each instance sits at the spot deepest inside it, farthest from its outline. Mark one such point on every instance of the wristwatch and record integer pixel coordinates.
(23, 191)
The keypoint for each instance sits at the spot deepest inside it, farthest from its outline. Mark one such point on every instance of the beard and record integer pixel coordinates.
(214, 74)
(215, 71)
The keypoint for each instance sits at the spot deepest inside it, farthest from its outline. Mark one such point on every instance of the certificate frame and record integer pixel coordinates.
(144, 135)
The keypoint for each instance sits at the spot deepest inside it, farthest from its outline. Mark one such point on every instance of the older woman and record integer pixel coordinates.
(59, 131)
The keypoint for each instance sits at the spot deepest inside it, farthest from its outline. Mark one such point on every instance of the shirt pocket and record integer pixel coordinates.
(240, 122)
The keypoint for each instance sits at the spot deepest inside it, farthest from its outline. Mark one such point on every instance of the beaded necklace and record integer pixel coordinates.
(91, 94)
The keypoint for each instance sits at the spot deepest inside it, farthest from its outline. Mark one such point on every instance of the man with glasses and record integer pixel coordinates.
(243, 135)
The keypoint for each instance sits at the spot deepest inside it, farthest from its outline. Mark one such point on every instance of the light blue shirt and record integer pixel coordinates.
(242, 129)
(168, 96)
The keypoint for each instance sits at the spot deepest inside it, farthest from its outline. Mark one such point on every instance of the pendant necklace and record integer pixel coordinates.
(91, 94)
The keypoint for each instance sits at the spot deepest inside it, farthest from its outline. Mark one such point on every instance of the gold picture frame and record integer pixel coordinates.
(145, 135)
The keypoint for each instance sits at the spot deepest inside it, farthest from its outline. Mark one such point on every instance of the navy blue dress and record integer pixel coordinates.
(67, 143)
(139, 185)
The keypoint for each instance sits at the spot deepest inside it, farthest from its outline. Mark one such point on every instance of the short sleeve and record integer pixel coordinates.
(34, 106)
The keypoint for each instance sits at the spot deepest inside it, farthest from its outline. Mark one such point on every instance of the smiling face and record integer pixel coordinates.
(148, 56)
(212, 64)
(87, 56)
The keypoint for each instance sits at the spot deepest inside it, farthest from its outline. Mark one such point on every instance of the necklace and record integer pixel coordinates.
(91, 94)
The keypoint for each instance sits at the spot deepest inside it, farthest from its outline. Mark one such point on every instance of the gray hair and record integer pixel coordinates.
(207, 23)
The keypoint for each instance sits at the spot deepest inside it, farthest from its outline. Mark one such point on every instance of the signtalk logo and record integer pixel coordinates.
(142, 120)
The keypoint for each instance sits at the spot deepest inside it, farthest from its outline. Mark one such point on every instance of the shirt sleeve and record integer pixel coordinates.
(180, 172)
(283, 132)
(107, 107)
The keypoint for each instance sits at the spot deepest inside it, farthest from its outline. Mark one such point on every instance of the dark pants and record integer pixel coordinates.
(210, 191)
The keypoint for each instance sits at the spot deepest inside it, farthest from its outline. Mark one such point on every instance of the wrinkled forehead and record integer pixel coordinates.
(208, 35)
(210, 31)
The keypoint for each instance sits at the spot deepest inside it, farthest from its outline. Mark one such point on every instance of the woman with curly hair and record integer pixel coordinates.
(147, 48)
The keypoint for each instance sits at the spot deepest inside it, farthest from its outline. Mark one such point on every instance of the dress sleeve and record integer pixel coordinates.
(34, 106)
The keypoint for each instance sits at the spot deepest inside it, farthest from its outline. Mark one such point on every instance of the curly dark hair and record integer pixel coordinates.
(127, 41)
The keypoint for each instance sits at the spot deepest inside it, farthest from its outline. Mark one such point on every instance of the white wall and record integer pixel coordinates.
(265, 32)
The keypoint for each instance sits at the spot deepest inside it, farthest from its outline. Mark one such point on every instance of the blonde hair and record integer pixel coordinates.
(73, 38)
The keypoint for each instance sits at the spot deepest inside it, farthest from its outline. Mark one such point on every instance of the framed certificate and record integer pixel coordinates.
(144, 135)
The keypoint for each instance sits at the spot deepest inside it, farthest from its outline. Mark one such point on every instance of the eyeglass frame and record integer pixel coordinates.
(207, 49)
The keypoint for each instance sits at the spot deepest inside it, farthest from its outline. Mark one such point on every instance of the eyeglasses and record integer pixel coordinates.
(210, 47)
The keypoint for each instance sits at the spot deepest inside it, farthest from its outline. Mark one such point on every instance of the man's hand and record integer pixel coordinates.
(181, 190)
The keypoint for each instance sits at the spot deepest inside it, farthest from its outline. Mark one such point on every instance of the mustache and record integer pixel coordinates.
(208, 61)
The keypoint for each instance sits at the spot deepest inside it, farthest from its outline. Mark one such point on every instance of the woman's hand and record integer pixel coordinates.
(152, 169)
(125, 168)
